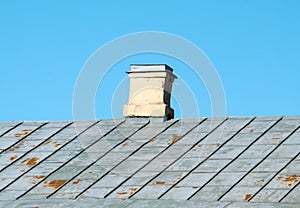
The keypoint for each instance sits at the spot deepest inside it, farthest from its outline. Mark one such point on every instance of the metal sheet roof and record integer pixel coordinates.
(232, 161)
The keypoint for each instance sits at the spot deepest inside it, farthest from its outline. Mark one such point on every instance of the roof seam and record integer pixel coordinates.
(293, 188)
(43, 124)
(277, 171)
(75, 137)
(246, 150)
(222, 123)
(123, 161)
(10, 129)
(91, 164)
(43, 142)
(169, 164)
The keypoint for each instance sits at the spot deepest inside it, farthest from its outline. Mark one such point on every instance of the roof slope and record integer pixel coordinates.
(219, 161)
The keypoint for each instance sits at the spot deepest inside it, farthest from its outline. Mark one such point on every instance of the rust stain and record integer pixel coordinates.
(132, 190)
(56, 144)
(248, 127)
(30, 161)
(39, 177)
(289, 179)
(177, 178)
(25, 132)
(175, 138)
(247, 197)
(77, 181)
(19, 145)
(23, 170)
(55, 184)
(152, 140)
(276, 138)
(195, 187)
(122, 193)
(292, 178)
(13, 157)
(260, 181)
(125, 144)
(159, 182)
(48, 142)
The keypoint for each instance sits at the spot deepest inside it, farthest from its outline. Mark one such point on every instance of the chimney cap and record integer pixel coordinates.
(149, 68)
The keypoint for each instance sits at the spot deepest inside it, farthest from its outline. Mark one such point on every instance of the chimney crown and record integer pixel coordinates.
(150, 91)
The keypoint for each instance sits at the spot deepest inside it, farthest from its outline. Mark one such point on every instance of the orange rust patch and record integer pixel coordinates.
(159, 182)
(195, 187)
(175, 138)
(251, 130)
(30, 161)
(56, 144)
(132, 190)
(55, 184)
(260, 181)
(25, 132)
(122, 193)
(289, 179)
(77, 181)
(276, 138)
(292, 178)
(13, 157)
(125, 144)
(39, 177)
(247, 197)
(23, 170)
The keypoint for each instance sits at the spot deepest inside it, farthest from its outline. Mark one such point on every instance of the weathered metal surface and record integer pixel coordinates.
(213, 162)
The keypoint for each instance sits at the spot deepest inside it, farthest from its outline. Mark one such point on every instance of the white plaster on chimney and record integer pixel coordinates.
(150, 91)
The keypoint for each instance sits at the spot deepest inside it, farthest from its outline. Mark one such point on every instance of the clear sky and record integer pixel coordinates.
(254, 46)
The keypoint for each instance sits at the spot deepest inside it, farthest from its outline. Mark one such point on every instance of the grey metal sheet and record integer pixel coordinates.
(129, 161)
(210, 193)
(269, 195)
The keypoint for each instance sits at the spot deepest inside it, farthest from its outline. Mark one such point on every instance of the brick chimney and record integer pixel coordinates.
(150, 91)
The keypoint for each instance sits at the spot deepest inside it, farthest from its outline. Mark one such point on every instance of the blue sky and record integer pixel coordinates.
(254, 46)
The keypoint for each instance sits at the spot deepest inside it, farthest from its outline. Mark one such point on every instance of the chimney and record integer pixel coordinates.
(150, 91)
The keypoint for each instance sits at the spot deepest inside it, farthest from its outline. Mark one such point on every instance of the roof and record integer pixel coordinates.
(219, 162)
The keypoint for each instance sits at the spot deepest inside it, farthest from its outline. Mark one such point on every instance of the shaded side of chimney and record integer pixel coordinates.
(150, 91)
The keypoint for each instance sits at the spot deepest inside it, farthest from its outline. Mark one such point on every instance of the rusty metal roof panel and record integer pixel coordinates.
(210, 161)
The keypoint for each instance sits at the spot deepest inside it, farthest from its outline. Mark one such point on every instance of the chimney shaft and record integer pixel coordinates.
(150, 91)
